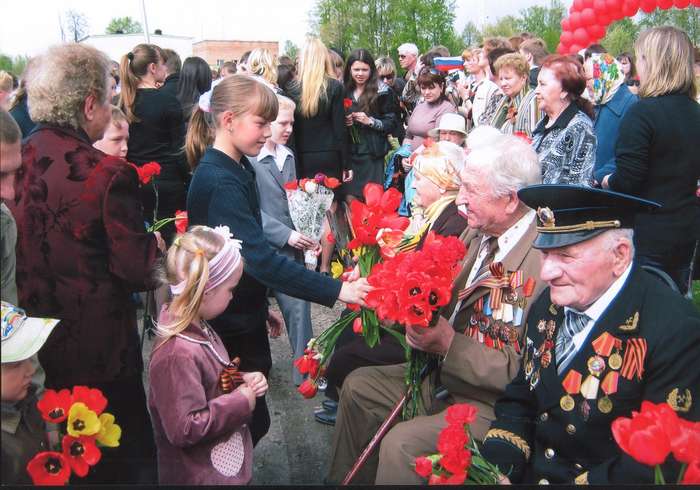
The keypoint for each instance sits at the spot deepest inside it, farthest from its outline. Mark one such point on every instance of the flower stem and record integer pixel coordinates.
(681, 474)
(659, 476)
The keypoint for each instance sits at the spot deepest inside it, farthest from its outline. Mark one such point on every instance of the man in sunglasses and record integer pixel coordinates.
(408, 59)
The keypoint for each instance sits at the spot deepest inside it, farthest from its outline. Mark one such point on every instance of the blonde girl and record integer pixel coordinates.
(236, 123)
(199, 415)
(263, 64)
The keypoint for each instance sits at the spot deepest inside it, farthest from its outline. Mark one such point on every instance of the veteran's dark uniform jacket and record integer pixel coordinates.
(533, 439)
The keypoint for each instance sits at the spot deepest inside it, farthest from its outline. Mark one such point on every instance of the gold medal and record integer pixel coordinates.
(528, 369)
(615, 361)
(567, 403)
(605, 405)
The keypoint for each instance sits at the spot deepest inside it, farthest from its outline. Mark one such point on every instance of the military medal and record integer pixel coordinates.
(546, 359)
(615, 360)
(589, 387)
(596, 365)
(507, 316)
(541, 325)
(535, 379)
(572, 386)
(633, 363)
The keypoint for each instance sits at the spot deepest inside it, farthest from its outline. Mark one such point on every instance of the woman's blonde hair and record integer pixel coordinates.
(514, 61)
(262, 63)
(62, 78)
(239, 94)
(385, 65)
(667, 54)
(132, 67)
(188, 260)
(315, 67)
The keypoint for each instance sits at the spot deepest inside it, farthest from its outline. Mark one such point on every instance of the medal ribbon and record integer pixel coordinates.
(603, 345)
(496, 280)
(633, 362)
(572, 382)
(529, 287)
(609, 384)
(516, 279)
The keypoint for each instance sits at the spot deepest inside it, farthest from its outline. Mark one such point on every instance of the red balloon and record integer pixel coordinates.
(588, 4)
(588, 17)
(681, 4)
(600, 7)
(595, 32)
(696, 3)
(630, 7)
(577, 6)
(575, 21)
(604, 19)
(648, 6)
(574, 49)
(581, 37)
(565, 24)
(665, 4)
(561, 49)
(567, 38)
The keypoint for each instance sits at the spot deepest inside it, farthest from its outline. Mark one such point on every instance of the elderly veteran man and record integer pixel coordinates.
(607, 335)
(481, 346)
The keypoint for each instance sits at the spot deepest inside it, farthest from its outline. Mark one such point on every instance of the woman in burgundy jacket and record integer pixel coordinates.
(82, 250)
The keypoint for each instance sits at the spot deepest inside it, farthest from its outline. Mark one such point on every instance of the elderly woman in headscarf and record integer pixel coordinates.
(82, 250)
(611, 98)
(437, 183)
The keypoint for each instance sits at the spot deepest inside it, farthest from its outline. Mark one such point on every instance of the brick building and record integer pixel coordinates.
(217, 52)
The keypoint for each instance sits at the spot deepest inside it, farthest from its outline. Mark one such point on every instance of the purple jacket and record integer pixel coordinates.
(201, 434)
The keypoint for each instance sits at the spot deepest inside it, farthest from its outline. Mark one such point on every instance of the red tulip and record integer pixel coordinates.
(686, 445)
(292, 185)
(308, 388)
(692, 473)
(92, 397)
(181, 221)
(54, 405)
(306, 364)
(357, 326)
(147, 171)
(643, 436)
(49, 468)
(331, 182)
(81, 452)
(347, 103)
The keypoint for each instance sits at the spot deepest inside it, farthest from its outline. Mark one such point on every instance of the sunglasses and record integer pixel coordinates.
(387, 77)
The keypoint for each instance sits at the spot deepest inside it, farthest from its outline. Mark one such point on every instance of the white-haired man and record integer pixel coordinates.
(603, 338)
(481, 344)
(408, 59)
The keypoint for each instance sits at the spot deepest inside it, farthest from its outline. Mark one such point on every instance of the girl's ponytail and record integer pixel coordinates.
(200, 135)
(132, 67)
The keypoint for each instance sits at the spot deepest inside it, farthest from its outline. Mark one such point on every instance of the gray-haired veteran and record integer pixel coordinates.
(605, 336)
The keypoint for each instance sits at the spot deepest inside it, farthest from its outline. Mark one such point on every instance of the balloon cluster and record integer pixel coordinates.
(589, 19)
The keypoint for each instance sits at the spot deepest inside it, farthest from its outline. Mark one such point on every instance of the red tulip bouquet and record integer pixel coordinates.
(354, 136)
(88, 427)
(410, 286)
(308, 201)
(654, 433)
(458, 460)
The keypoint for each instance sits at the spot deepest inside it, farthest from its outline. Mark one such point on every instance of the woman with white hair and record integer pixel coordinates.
(82, 250)
(436, 184)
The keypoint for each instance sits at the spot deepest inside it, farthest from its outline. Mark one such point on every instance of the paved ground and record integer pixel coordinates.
(295, 450)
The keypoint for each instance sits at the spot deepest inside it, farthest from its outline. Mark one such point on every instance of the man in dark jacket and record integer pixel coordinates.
(603, 338)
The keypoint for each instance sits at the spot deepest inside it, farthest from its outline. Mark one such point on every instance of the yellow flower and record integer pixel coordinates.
(110, 432)
(82, 421)
(336, 269)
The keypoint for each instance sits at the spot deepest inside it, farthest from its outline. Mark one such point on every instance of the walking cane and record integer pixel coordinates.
(381, 432)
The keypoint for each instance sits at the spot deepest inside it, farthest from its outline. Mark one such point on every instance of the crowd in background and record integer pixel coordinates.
(80, 217)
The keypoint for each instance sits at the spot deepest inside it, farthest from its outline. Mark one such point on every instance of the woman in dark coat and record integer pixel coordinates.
(371, 117)
(156, 132)
(82, 250)
(657, 155)
(319, 124)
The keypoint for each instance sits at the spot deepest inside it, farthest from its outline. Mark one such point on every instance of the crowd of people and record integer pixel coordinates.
(577, 172)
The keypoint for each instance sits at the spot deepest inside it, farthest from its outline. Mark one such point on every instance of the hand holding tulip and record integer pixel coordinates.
(435, 340)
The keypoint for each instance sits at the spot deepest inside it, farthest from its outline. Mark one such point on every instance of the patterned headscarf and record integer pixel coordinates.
(607, 77)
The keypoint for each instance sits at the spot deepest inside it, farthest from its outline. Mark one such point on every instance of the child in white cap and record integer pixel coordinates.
(23, 430)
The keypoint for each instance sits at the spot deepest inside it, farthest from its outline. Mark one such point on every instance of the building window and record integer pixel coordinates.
(219, 63)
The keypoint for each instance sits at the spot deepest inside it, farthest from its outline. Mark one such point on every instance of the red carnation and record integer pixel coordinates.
(292, 185)
(181, 221)
(424, 466)
(461, 414)
(54, 405)
(331, 182)
(452, 438)
(308, 388)
(147, 171)
(347, 103)
(49, 468)
(456, 461)
(81, 452)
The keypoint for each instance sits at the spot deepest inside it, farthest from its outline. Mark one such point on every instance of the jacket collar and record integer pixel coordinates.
(243, 169)
(619, 313)
(562, 121)
(619, 101)
(68, 131)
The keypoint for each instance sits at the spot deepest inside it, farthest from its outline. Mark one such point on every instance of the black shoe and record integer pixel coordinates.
(329, 405)
(325, 418)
